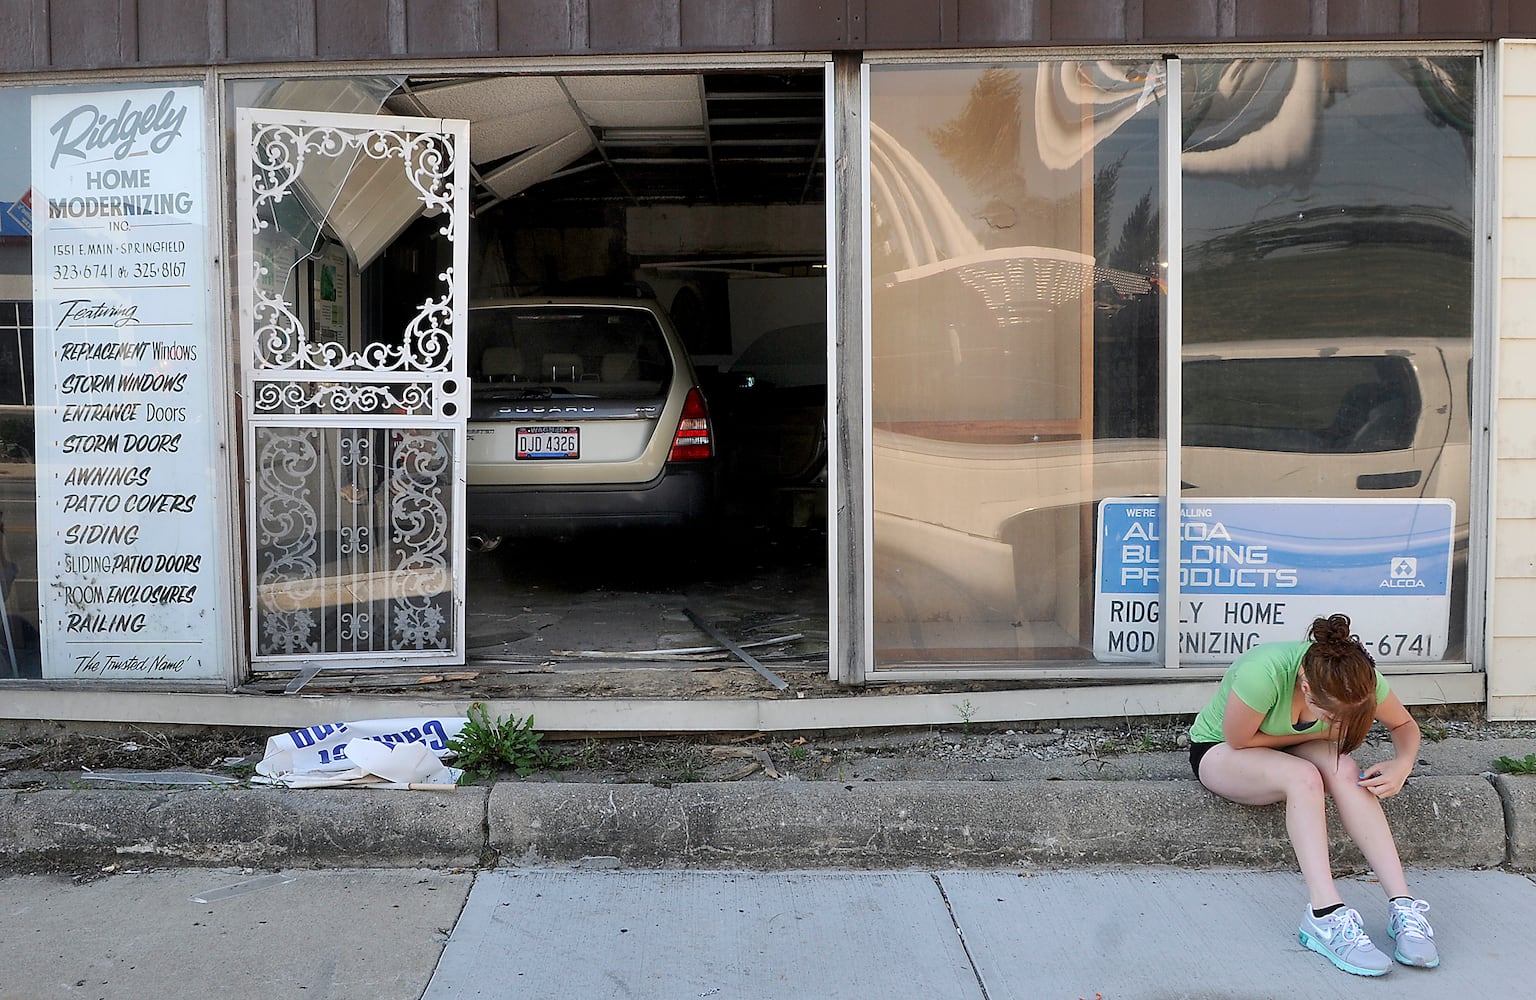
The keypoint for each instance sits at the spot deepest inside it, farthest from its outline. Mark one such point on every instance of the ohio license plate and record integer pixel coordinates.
(535, 443)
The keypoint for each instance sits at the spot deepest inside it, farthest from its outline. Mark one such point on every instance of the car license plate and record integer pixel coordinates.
(548, 442)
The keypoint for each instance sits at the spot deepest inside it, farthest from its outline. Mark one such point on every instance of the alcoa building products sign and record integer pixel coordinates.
(126, 492)
(1253, 571)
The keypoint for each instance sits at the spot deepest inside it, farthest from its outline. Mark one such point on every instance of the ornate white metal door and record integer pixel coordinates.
(354, 426)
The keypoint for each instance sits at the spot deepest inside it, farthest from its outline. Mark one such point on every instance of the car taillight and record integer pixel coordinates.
(692, 441)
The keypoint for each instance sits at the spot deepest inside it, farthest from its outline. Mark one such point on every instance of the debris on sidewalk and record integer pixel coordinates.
(701, 653)
(241, 888)
(756, 757)
(462, 675)
(772, 678)
(395, 753)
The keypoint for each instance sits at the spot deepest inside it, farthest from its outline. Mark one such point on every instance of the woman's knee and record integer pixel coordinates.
(1305, 782)
(1341, 768)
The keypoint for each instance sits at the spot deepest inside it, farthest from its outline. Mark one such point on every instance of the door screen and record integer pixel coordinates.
(354, 410)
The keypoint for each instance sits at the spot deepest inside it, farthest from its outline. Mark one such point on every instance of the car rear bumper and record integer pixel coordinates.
(683, 493)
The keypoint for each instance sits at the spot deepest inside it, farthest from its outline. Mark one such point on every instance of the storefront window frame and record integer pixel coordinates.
(222, 474)
(224, 114)
(848, 581)
(1482, 335)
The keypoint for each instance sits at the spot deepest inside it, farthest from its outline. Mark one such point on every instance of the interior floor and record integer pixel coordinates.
(569, 603)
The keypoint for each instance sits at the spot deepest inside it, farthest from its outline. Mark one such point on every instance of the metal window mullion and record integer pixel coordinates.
(1170, 146)
(865, 397)
(1488, 173)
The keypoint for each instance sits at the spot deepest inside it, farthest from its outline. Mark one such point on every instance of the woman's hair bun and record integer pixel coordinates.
(1333, 629)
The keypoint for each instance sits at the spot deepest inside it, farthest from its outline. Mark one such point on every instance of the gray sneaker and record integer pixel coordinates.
(1414, 938)
(1340, 937)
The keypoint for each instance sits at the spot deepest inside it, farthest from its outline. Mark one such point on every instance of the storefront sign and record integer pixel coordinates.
(126, 500)
(1254, 571)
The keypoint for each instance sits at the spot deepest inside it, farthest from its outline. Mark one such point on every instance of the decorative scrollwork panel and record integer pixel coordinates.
(283, 156)
(353, 531)
(352, 398)
(355, 425)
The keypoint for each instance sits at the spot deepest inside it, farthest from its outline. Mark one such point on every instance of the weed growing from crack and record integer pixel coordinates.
(1516, 765)
(680, 771)
(485, 746)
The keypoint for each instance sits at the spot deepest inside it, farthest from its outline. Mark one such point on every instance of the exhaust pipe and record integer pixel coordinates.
(482, 543)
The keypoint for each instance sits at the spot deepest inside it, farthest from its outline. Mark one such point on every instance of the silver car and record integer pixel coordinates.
(586, 414)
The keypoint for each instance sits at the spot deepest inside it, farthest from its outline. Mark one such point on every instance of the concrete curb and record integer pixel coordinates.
(1455, 822)
(243, 826)
(1518, 793)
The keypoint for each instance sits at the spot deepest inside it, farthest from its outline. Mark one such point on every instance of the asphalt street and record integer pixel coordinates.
(594, 931)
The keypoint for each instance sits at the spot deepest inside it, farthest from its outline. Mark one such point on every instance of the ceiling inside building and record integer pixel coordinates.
(728, 139)
(718, 138)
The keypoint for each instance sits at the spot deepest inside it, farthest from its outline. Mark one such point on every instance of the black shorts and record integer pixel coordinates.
(1196, 751)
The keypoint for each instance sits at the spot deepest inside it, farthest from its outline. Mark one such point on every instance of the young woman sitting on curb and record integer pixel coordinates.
(1281, 728)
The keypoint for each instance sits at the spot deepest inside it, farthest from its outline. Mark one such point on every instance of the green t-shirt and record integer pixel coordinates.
(1265, 679)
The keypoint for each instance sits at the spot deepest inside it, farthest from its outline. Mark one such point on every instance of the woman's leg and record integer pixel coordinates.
(1360, 811)
(1259, 776)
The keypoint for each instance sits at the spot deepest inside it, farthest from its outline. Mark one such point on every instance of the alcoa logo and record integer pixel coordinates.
(1403, 574)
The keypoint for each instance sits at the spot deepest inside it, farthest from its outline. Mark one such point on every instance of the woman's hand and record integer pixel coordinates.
(1387, 778)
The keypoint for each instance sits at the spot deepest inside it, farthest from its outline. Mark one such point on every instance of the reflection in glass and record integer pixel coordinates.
(1015, 348)
(21, 656)
(1328, 235)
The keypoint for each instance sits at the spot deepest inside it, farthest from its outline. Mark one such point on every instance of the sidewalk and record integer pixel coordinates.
(865, 810)
(1100, 933)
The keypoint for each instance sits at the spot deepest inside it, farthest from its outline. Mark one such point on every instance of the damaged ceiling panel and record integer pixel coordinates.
(508, 114)
(688, 138)
(720, 138)
(536, 165)
(651, 102)
(364, 202)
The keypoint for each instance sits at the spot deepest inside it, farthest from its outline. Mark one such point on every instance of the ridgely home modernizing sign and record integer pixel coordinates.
(1254, 571)
(126, 499)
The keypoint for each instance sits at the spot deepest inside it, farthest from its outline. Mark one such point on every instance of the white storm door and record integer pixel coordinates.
(354, 426)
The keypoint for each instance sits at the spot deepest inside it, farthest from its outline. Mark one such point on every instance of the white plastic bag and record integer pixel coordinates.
(384, 752)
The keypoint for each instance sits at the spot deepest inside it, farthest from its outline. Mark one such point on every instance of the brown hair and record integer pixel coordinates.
(1341, 677)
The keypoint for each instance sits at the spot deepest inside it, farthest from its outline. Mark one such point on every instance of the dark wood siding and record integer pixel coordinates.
(1092, 20)
(705, 24)
(633, 25)
(352, 29)
(1004, 22)
(264, 30)
(528, 27)
(1267, 19)
(89, 33)
(906, 22)
(1364, 18)
(1462, 17)
(17, 45)
(98, 34)
(450, 27)
(808, 24)
(174, 31)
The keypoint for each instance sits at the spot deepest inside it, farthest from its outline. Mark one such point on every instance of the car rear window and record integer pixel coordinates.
(591, 350)
(1320, 405)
